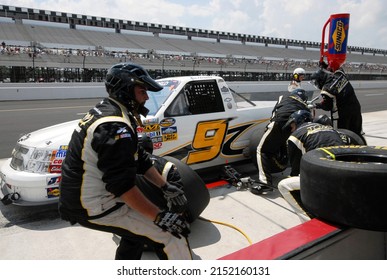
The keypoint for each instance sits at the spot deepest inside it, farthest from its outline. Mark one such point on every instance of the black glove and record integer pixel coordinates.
(173, 223)
(317, 105)
(176, 200)
(323, 64)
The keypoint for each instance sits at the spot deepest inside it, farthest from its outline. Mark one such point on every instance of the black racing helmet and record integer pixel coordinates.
(301, 93)
(323, 119)
(299, 117)
(319, 78)
(121, 79)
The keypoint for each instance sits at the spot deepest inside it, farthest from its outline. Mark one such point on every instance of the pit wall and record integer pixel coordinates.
(35, 91)
(317, 240)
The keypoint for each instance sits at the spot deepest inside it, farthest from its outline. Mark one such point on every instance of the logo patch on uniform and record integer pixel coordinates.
(122, 130)
(122, 133)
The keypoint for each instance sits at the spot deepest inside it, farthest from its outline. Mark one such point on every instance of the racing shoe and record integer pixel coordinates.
(261, 188)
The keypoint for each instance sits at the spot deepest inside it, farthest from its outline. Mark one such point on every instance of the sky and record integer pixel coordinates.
(299, 20)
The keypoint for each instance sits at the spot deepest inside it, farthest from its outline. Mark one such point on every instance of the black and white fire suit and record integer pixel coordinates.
(339, 96)
(271, 149)
(90, 189)
(306, 137)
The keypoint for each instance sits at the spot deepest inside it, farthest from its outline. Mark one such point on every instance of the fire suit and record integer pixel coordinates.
(306, 137)
(95, 175)
(271, 150)
(339, 96)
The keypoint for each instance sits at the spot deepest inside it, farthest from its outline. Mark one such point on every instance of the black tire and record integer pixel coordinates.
(195, 190)
(346, 185)
(354, 139)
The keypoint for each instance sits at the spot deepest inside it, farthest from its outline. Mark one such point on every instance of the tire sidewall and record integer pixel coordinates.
(346, 192)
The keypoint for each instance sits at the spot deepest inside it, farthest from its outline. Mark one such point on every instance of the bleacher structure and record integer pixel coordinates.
(47, 39)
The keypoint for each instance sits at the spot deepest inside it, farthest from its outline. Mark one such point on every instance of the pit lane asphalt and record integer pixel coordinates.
(18, 117)
(37, 233)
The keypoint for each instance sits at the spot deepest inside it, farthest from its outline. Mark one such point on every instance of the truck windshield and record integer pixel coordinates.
(156, 99)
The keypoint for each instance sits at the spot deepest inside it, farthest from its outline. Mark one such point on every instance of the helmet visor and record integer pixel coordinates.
(146, 80)
(151, 84)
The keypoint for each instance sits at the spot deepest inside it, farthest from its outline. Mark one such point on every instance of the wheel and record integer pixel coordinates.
(353, 138)
(195, 190)
(346, 185)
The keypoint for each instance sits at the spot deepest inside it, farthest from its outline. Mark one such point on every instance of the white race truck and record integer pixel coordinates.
(197, 119)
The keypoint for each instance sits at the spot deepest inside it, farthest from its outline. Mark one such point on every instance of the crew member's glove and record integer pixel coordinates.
(173, 223)
(176, 200)
(311, 105)
(323, 64)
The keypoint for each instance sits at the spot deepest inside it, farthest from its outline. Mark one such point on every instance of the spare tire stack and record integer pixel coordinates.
(346, 185)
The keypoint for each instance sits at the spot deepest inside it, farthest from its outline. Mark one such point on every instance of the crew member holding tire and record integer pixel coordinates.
(177, 173)
(271, 150)
(98, 188)
(306, 136)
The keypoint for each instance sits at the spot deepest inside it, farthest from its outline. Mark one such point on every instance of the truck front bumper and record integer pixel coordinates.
(26, 188)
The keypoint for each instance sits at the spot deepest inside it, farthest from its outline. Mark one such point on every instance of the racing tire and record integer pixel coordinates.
(194, 187)
(345, 185)
(353, 137)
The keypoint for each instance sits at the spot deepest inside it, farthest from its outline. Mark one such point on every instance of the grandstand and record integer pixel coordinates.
(55, 45)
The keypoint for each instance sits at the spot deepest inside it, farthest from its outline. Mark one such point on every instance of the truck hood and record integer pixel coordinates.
(49, 137)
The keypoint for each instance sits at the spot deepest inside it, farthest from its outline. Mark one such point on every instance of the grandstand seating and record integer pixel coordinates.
(53, 44)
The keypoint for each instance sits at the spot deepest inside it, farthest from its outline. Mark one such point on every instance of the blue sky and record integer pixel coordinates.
(300, 20)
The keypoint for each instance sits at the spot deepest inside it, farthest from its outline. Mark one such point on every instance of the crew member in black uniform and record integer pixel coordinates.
(306, 136)
(166, 168)
(271, 150)
(338, 96)
(98, 188)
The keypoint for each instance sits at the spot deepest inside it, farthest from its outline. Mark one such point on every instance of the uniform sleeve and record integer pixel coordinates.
(116, 147)
(144, 160)
(330, 85)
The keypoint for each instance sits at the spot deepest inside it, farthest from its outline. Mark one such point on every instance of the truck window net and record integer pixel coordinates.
(204, 97)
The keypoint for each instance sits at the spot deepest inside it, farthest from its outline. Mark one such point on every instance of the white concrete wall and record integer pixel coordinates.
(33, 91)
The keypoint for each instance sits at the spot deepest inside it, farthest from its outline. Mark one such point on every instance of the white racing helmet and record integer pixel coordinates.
(297, 73)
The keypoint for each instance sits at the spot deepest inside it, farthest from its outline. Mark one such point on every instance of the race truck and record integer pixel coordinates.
(198, 120)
